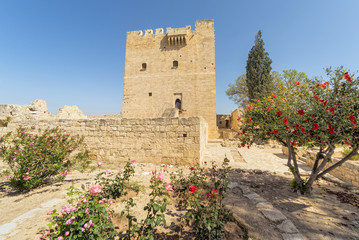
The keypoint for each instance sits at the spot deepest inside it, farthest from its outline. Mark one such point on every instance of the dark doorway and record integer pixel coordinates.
(227, 123)
(178, 104)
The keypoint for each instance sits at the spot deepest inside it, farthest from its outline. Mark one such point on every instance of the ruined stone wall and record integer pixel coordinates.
(158, 140)
(235, 123)
(153, 82)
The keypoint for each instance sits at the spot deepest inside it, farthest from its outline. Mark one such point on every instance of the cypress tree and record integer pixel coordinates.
(259, 79)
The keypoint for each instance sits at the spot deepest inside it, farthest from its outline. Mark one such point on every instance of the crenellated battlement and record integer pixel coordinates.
(174, 31)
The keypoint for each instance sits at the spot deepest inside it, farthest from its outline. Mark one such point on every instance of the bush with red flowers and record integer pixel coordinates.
(313, 113)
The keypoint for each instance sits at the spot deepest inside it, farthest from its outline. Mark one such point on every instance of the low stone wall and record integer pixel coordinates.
(176, 141)
(347, 172)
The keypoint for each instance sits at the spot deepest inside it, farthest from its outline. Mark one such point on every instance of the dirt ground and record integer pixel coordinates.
(318, 216)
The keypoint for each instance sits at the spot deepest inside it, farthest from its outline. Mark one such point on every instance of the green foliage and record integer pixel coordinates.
(238, 92)
(5, 122)
(40, 157)
(115, 188)
(308, 113)
(258, 77)
(145, 229)
(86, 217)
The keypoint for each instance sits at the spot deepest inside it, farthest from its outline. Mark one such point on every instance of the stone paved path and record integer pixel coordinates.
(269, 159)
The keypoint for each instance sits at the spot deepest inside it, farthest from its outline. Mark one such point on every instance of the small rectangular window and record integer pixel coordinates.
(150, 94)
(175, 64)
(144, 66)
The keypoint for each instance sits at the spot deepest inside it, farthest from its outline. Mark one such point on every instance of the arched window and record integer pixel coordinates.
(178, 104)
(144, 66)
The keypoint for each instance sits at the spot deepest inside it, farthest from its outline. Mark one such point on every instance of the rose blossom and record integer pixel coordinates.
(168, 187)
(161, 176)
(95, 190)
(192, 189)
(108, 171)
(99, 164)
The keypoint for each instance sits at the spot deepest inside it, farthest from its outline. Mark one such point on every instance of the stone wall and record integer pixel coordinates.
(159, 140)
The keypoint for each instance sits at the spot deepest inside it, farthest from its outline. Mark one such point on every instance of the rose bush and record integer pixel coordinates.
(37, 157)
(86, 217)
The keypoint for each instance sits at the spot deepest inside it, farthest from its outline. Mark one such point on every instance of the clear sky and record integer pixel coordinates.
(72, 52)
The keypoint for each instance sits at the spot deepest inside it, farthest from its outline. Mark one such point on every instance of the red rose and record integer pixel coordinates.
(269, 109)
(296, 83)
(316, 97)
(279, 113)
(332, 110)
(352, 119)
(274, 95)
(285, 121)
(268, 134)
(191, 168)
(301, 112)
(303, 130)
(331, 129)
(238, 119)
(347, 77)
(297, 126)
(243, 144)
(313, 117)
(192, 189)
(315, 126)
(249, 120)
(275, 131)
(244, 132)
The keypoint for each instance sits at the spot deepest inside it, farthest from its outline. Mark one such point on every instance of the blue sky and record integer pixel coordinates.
(72, 52)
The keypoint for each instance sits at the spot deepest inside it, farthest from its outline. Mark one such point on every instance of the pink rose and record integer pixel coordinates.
(169, 187)
(55, 138)
(49, 213)
(99, 164)
(70, 149)
(8, 176)
(82, 229)
(60, 238)
(67, 233)
(26, 178)
(134, 161)
(161, 176)
(108, 171)
(119, 169)
(32, 143)
(95, 190)
(87, 211)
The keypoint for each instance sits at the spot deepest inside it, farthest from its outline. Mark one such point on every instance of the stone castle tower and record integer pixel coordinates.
(171, 72)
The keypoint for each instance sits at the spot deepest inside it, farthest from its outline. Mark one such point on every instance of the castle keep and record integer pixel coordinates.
(171, 74)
